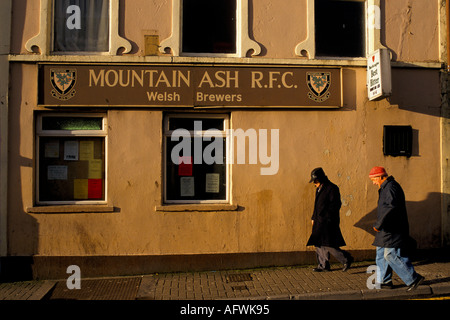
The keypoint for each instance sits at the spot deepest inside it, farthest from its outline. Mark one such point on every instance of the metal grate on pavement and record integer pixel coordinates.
(98, 289)
(239, 277)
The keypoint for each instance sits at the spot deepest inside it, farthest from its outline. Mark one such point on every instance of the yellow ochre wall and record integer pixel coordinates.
(273, 212)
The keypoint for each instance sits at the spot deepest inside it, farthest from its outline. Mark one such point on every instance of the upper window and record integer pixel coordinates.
(81, 25)
(340, 28)
(210, 28)
(220, 34)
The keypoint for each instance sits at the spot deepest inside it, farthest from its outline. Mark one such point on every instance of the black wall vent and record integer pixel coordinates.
(397, 141)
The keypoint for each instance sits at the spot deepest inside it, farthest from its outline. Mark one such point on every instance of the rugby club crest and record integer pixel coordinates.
(63, 82)
(319, 85)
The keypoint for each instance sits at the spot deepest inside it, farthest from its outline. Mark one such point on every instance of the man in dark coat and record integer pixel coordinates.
(392, 232)
(326, 235)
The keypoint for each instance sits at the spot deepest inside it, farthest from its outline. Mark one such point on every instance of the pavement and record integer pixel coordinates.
(277, 283)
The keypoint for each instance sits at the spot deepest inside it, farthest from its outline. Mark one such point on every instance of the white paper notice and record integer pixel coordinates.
(187, 186)
(71, 150)
(212, 182)
(57, 173)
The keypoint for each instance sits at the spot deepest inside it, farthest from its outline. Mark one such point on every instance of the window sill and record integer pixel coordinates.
(338, 62)
(72, 209)
(196, 207)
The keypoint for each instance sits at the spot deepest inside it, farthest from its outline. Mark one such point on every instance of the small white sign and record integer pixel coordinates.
(212, 183)
(57, 172)
(379, 83)
(187, 187)
(71, 150)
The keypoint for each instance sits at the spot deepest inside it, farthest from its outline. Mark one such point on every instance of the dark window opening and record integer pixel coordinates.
(340, 28)
(209, 26)
(397, 141)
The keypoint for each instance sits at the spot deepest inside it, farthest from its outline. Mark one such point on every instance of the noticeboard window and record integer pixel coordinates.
(71, 154)
(196, 151)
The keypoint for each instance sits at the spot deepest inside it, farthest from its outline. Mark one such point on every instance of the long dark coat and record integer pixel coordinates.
(326, 231)
(392, 218)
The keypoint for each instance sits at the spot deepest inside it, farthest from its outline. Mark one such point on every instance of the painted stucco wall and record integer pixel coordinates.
(406, 26)
(274, 211)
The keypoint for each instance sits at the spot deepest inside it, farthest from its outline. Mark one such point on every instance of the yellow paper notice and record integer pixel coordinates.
(95, 169)
(80, 189)
(86, 150)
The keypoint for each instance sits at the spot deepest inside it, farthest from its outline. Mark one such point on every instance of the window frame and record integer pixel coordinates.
(243, 42)
(372, 32)
(70, 133)
(44, 41)
(225, 132)
(68, 52)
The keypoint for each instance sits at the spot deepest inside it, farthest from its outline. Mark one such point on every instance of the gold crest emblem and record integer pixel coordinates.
(319, 85)
(63, 82)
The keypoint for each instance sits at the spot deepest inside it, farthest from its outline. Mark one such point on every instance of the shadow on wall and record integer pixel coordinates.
(22, 228)
(424, 221)
(419, 94)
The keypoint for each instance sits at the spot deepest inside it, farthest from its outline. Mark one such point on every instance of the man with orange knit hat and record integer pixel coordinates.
(392, 232)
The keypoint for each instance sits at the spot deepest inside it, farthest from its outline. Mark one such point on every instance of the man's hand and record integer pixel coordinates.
(312, 222)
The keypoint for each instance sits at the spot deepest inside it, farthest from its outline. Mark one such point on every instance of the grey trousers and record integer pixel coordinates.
(323, 256)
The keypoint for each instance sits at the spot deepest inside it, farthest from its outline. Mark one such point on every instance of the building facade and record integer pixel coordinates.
(171, 135)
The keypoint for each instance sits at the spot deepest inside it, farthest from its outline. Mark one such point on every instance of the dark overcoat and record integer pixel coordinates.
(392, 218)
(326, 230)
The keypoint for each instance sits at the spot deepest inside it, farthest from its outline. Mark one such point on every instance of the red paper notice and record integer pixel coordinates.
(185, 166)
(95, 190)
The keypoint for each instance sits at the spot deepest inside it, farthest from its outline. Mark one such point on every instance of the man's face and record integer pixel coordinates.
(378, 181)
(316, 183)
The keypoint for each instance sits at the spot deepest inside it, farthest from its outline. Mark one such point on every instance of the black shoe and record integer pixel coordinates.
(318, 269)
(388, 285)
(348, 264)
(416, 283)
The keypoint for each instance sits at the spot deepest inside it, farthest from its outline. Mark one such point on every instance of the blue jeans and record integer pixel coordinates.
(388, 259)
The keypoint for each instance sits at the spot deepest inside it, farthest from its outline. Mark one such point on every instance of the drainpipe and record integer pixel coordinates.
(447, 15)
(445, 133)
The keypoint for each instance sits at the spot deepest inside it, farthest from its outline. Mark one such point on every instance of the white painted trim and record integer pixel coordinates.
(308, 45)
